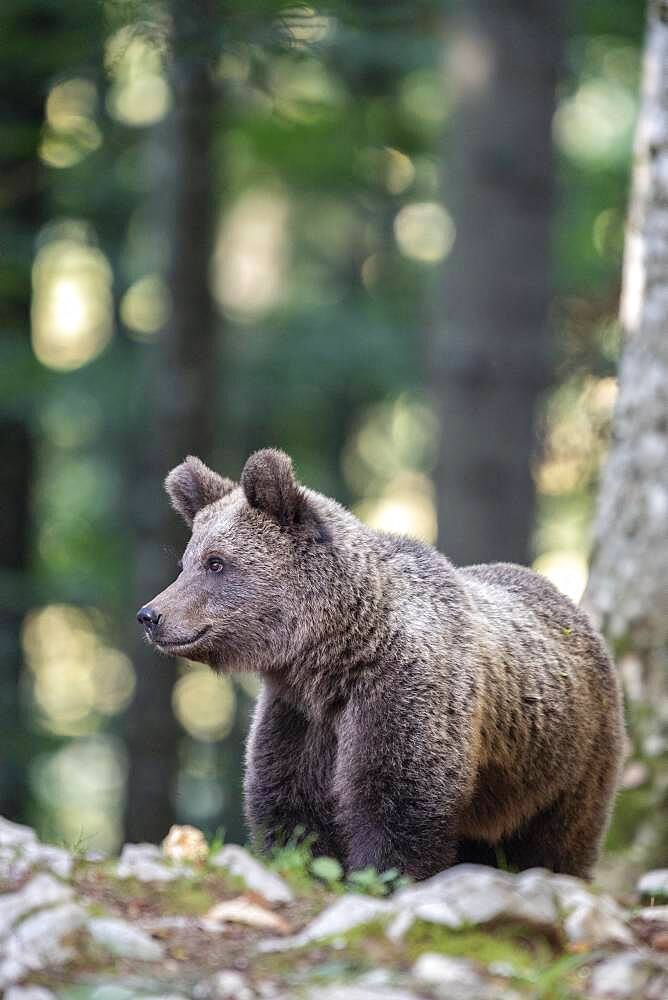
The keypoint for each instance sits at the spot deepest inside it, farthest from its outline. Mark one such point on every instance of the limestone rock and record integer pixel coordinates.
(256, 876)
(15, 835)
(624, 975)
(658, 914)
(124, 940)
(340, 917)
(359, 991)
(20, 851)
(451, 978)
(228, 984)
(29, 993)
(595, 924)
(146, 863)
(474, 894)
(41, 891)
(654, 883)
(37, 942)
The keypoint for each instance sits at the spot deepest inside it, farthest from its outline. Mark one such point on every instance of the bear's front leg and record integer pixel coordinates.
(400, 785)
(289, 767)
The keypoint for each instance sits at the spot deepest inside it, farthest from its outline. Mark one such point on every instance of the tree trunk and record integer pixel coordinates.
(182, 394)
(490, 354)
(23, 86)
(627, 592)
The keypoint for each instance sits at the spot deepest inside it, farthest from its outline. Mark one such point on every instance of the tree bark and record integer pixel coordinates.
(182, 394)
(627, 593)
(23, 85)
(490, 353)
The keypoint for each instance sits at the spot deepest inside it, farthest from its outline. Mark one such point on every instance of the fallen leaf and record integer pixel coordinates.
(243, 910)
(185, 843)
(660, 941)
(578, 947)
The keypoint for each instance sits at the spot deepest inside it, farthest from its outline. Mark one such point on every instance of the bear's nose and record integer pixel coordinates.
(148, 617)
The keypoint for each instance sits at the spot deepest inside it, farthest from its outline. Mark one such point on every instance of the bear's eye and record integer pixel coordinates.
(215, 564)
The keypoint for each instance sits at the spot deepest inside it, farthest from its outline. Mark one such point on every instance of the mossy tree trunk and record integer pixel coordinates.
(627, 592)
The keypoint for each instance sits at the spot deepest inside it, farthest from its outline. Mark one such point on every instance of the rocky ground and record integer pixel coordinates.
(186, 920)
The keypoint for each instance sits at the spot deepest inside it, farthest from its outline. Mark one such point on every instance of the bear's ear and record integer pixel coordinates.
(269, 483)
(193, 485)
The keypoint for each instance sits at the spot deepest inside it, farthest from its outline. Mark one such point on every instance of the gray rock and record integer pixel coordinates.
(37, 942)
(95, 857)
(164, 996)
(146, 863)
(654, 883)
(15, 835)
(451, 978)
(42, 890)
(268, 989)
(257, 877)
(657, 988)
(124, 940)
(228, 984)
(20, 851)
(375, 977)
(596, 923)
(170, 923)
(113, 991)
(475, 894)
(29, 993)
(587, 916)
(622, 975)
(432, 912)
(56, 859)
(657, 914)
(359, 991)
(340, 917)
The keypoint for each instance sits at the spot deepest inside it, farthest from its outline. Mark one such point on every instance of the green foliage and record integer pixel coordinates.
(375, 883)
(328, 870)
(293, 860)
(217, 841)
(512, 946)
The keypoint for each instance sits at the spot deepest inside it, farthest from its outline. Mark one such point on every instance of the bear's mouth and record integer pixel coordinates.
(181, 643)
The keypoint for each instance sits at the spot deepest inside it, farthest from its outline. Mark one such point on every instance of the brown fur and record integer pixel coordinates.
(413, 714)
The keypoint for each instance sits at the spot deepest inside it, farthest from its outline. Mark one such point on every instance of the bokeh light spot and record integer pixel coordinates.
(424, 231)
(80, 789)
(204, 703)
(566, 570)
(76, 677)
(139, 94)
(145, 306)
(72, 303)
(250, 258)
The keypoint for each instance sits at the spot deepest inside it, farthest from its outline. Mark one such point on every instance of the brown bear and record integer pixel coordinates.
(413, 714)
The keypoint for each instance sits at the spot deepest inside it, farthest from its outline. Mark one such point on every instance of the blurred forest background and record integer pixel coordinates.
(384, 237)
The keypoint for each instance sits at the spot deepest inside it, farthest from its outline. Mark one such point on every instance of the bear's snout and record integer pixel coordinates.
(149, 618)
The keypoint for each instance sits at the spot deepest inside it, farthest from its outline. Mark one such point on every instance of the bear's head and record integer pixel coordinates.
(256, 576)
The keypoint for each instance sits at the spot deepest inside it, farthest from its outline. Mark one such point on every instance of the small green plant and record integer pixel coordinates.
(556, 980)
(293, 859)
(329, 871)
(79, 845)
(217, 841)
(375, 883)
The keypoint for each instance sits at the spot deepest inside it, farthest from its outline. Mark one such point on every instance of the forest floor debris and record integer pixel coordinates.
(178, 926)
